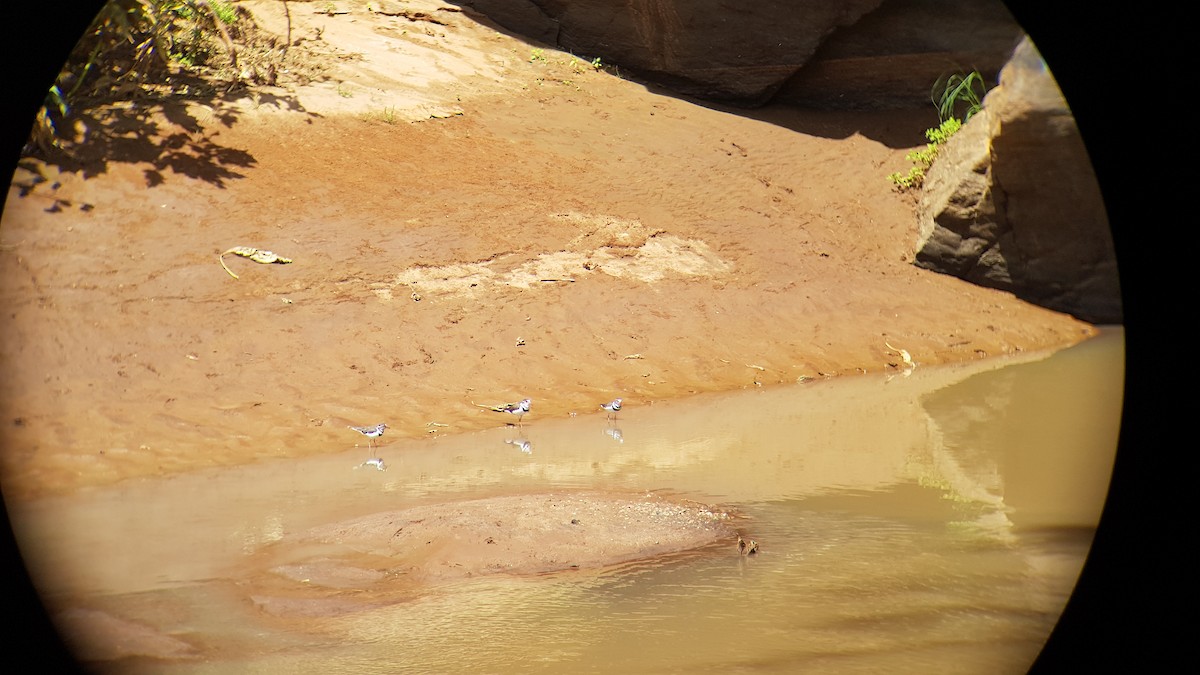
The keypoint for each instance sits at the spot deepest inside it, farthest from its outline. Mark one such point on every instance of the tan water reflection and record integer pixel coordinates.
(935, 522)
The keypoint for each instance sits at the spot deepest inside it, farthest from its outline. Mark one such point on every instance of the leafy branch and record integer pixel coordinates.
(130, 45)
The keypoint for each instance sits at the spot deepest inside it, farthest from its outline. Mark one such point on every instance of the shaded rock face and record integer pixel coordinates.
(1012, 201)
(867, 54)
(892, 56)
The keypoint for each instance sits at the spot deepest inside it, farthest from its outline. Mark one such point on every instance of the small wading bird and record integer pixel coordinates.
(613, 407)
(371, 432)
(519, 409)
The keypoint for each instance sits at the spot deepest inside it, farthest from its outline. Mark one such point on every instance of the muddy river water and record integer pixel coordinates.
(929, 522)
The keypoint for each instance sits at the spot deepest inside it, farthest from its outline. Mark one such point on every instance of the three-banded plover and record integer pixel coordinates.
(519, 409)
(371, 432)
(613, 407)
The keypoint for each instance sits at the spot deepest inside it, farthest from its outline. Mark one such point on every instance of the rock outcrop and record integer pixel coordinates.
(852, 54)
(1012, 201)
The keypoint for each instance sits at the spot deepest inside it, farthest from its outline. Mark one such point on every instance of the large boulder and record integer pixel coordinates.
(849, 54)
(1012, 201)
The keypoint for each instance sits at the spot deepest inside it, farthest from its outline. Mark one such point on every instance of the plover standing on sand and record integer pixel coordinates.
(613, 407)
(371, 432)
(519, 409)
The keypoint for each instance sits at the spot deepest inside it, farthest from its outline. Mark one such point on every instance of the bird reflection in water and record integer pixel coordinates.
(522, 444)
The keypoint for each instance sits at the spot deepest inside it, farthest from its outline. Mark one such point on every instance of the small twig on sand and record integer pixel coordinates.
(288, 13)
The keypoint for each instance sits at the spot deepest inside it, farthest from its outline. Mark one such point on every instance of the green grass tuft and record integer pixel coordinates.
(949, 95)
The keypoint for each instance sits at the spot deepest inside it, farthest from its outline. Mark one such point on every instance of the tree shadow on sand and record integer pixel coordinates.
(166, 137)
(166, 119)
